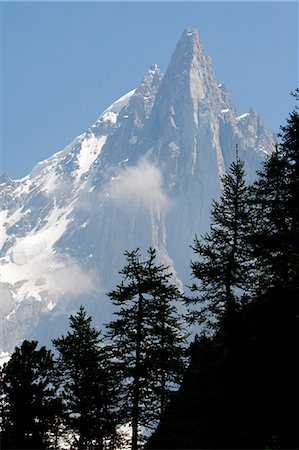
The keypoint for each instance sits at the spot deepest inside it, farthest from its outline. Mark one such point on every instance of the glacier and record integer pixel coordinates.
(144, 174)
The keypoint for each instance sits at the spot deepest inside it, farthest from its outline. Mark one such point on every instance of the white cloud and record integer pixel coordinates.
(140, 184)
(38, 271)
(69, 278)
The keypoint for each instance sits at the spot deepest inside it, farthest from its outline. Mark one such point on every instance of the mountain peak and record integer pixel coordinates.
(145, 94)
(190, 35)
(151, 79)
(189, 51)
(188, 87)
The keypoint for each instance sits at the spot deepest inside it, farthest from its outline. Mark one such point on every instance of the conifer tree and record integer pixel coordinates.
(86, 393)
(146, 341)
(29, 405)
(275, 201)
(275, 243)
(167, 353)
(224, 270)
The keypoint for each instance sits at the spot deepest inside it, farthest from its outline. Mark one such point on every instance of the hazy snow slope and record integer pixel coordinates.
(144, 173)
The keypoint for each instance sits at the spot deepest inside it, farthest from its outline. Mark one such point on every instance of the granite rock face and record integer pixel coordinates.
(145, 173)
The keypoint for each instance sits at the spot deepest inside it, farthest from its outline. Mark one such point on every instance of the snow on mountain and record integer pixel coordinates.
(144, 173)
(4, 358)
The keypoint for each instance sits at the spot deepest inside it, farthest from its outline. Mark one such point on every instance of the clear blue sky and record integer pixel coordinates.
(64, 63)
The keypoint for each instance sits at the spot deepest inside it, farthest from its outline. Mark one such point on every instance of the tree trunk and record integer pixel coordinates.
(136, 387)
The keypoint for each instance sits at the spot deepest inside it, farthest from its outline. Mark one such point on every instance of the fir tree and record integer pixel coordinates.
(167, 353)
(85, 384)
(141, 341)
(275, 201)
(29, 406)
(224, 269)
(275, 243)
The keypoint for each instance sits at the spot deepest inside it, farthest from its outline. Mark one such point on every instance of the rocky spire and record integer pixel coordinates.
(123, 142)
(143, 99)
(188, 52)
(188, 86)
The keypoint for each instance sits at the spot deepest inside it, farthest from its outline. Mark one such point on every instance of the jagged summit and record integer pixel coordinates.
(144, 174)
(189, 77)
(188, 100)
(147, 90)
(188, 52)
(188, 44)
(190, 33)
(124, 139)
